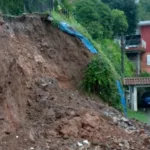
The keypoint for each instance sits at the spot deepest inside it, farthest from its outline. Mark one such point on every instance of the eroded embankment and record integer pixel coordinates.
(31, 48)
(40, 106)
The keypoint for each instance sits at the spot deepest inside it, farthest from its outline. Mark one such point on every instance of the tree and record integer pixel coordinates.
(96, 17)
(120, 24)
(13, 7)
(144, 10)
(100, 21)
(130, 9)
(16, 7)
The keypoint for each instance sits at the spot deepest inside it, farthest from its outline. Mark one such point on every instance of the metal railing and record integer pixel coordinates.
(135, 43)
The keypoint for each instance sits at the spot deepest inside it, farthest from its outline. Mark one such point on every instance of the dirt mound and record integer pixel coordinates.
(31, 48)
(41, 108)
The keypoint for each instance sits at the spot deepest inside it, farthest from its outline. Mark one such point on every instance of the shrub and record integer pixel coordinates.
(113, 51)
(99, 78)
(145, 74)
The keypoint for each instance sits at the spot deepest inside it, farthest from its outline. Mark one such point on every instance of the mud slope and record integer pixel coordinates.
(40, 106)
(31, 48)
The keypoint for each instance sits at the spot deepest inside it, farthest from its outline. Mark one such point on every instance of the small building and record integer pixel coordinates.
(136, 87)
(137, 47)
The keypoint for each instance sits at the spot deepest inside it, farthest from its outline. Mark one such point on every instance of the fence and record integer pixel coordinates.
(29, 6)
(38, 5)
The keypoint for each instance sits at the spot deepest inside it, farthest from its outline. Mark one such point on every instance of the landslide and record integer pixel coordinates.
(40, 106)
(29, 49)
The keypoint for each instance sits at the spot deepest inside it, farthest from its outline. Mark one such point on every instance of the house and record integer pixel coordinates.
(137, 49)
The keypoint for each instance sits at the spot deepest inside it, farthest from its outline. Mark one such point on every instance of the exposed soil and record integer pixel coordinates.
(41, 108)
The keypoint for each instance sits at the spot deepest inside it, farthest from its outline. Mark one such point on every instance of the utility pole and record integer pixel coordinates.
(122, 55)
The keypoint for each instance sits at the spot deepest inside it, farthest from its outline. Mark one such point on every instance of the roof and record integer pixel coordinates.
(136, 81)
(144, 23)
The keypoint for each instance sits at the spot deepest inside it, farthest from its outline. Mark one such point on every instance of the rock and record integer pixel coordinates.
(44, 44)
(17, 136)
(80, 146)
(1, 20)
(142, 131)
(144, 136)
(72, 113)
(115, 120)
(97, 148)
(86, 144)
(90, 120)
(31, 135)
(52, 133)
(70, 130)
(126, 144)
(50, 18)
(124, 119)
(146, 140)
(128, 131)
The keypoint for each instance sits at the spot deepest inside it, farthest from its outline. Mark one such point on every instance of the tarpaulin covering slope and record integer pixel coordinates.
(68, 29)
(123, 101)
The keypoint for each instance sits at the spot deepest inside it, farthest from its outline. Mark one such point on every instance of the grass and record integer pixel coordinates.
(139, 115)
(72, 22)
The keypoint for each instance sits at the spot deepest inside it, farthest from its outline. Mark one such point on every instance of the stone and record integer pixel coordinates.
(124, 119)
(90, 120)
(126, 144)
(97, 148)
(142, 131)
(115, 120)
(52, 133)
(1, 20)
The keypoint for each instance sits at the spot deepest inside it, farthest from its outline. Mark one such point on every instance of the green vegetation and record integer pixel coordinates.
(120, 24)
(100, 21)
(17, 7)
(140, 116)
(104, 69)
(130, 9)
(11, 6)
(113, 52)
(144, 10)
(145, 74)
(100, 78)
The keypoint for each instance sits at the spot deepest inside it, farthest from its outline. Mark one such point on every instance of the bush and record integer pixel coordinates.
(99, 78)
(145, 74)
(113, 51)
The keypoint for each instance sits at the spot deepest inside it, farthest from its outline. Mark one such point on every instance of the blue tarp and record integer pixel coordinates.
(68, 29)
(123, 101)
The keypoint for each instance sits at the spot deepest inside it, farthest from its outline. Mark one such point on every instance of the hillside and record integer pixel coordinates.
(41, 106)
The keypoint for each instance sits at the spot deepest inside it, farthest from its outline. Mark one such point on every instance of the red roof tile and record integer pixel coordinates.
(136, 81)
